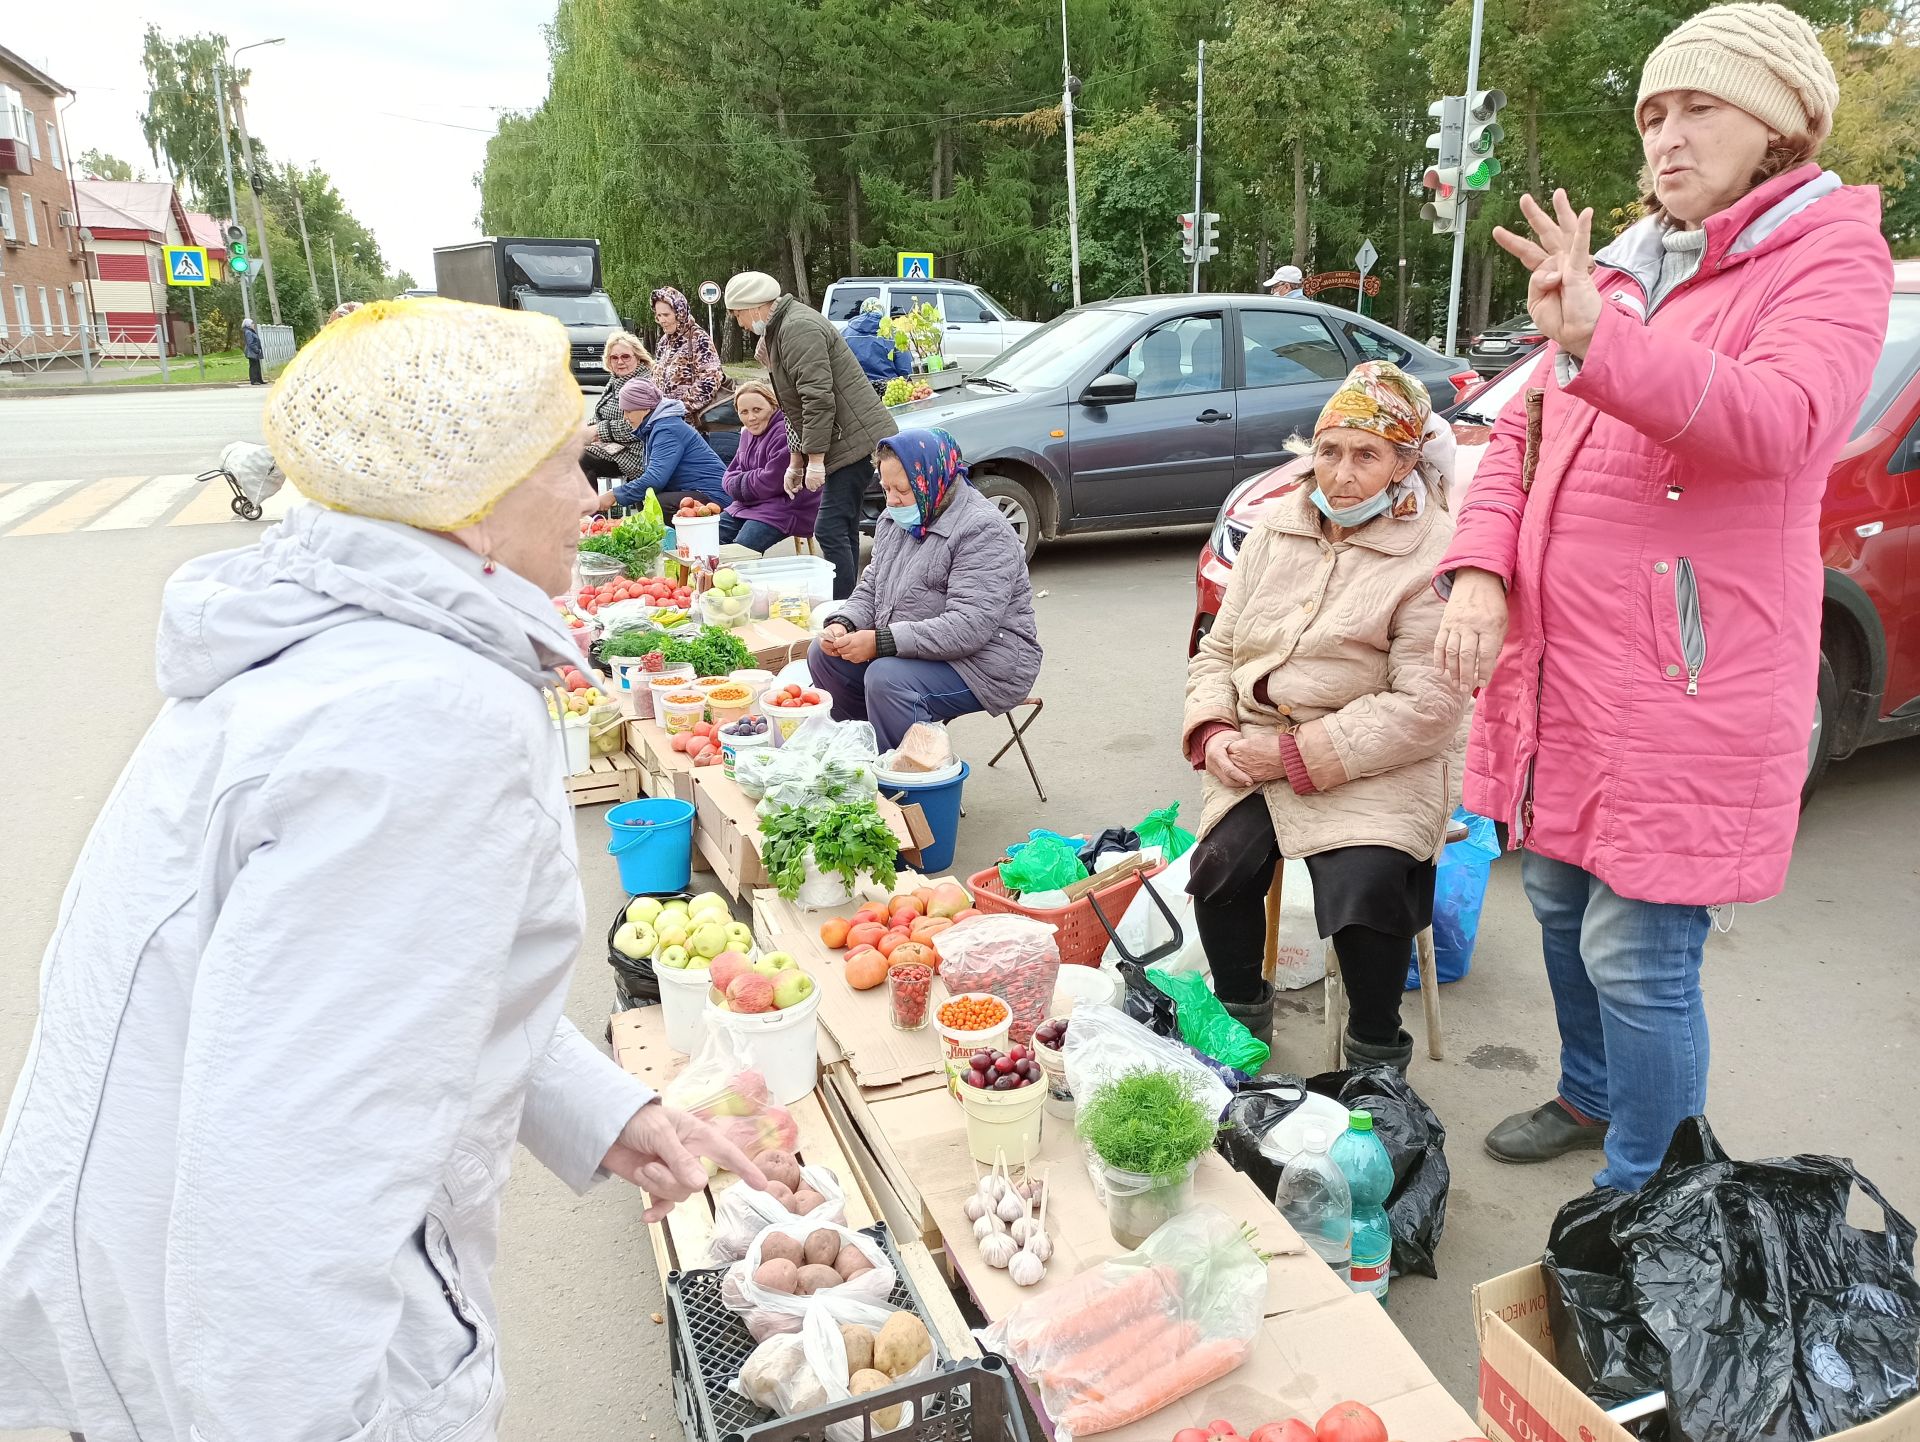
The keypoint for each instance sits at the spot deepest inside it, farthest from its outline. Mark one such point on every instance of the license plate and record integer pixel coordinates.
(1493, 345)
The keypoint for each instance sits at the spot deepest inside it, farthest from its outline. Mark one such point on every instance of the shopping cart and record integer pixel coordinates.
(250, 474)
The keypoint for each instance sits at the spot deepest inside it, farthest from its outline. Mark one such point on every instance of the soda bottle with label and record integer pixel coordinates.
(1369, 1173)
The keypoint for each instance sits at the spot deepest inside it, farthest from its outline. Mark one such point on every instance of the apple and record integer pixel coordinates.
(791, 987)
(726, 578)
(675, 957)
(672, 931)
(675, 908)
(644, 909)
(726, 966)
(750, 992)
(709, 903)
(775, 962)
(635, 941)
(739, 936)
(733, 605)
(708, 939)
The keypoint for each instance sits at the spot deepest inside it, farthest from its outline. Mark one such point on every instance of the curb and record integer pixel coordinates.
(113, 387)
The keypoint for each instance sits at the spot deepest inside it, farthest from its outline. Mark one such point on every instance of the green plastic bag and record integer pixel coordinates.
(1162, 829)
(1204, 1023)
(1045, 863)
(650, 508)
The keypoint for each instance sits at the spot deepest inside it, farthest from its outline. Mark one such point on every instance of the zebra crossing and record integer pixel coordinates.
(124, 503)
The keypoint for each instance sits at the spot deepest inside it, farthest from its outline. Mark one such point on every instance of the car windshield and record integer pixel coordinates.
(1484, 406)
(1521, 322)
(1049, 356)
(1899, 358)
(571, 309)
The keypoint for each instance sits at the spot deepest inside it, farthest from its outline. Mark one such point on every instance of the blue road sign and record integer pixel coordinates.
(187, 265)
(914, 264)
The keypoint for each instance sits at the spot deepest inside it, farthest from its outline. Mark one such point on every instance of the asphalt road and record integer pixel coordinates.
(1812, 996)
(127, 430)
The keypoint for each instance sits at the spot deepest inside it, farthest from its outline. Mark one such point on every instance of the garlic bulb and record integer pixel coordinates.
(1011, 1208)
(1023, 1230)
(1026, 1269)
(993, 1187)
(1040, 1246)
(986, 1226)
(998, 1250)
(975, 1207)
(1033, 1190)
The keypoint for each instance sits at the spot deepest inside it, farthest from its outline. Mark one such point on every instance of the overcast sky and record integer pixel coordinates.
(393, 98)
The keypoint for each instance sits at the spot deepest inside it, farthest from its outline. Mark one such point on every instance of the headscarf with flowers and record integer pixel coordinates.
(1378, 396)
(685, 364)
(935, 472)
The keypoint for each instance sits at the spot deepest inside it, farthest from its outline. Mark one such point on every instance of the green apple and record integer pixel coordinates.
(775, 961)
(710, 903)
(709, 939)
(733, 605)
(675, 957)
(726, 578)
(635, 941)
(671, 931)
(644, 909)
(791, 987)
(739, 936)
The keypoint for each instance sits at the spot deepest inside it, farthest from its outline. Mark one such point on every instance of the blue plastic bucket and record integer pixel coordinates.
(940, 801)
(652, 844)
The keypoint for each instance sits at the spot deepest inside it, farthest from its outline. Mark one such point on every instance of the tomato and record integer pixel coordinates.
(910, 953)
(1190, 1434)
(1291, 1430)
(833, 932)
(887, 944)
(1220, 1427)
(928, 927)
(1350, 1422)
(870, 912)
(911, 903)
(868, 933)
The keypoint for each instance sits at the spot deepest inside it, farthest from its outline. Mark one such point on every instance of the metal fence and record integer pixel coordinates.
(90, 354)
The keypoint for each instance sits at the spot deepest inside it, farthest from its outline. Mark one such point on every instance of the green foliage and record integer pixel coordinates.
(182, 120)
(107, 167)
(846, 839)
(714, 652)
(635, 543)
(1151, 1123)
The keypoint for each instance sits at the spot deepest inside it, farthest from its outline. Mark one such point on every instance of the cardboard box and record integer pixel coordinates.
(663, 771)
(775, 643)
(726, 828)
(1524, 1397)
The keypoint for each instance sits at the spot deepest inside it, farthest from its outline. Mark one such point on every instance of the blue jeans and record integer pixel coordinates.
(754, 535)
(1633, 1026)
(890, 691)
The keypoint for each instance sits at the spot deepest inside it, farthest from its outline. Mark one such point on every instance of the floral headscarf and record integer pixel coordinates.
(935, 472)
(1378, 396)
(685, 364)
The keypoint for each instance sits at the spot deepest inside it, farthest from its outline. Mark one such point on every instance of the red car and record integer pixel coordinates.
(1869, 534)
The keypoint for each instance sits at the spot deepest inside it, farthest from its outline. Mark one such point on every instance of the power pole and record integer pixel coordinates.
(1069, 86)
(233, 205)
(333, 259)
(1460, 234)
(259, 216)
(300, 215)
(1199, 118)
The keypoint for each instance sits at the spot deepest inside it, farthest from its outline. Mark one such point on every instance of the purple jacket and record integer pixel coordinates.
(756, 481)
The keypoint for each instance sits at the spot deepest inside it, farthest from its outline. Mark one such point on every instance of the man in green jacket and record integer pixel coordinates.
(834, 419)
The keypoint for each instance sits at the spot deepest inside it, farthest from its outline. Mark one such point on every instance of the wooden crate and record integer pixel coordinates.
(727, 832)
(606, 781)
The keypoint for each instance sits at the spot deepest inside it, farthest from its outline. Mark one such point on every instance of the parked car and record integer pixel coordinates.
(1146, 412)
(1869, 535)
(977, 326)
(1494, 349)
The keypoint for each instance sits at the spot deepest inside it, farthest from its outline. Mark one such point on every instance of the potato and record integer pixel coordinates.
(858, 1341)
(823, 1245)
(805, 1200)
(860, 1383)
(782, 1167)
(780, 1275)
(901, 1344)
(851, 1262)
(817, 1278)
(779, 1247)
(781, 1193)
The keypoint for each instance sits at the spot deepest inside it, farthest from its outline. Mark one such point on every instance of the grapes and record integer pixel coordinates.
(981, 1061)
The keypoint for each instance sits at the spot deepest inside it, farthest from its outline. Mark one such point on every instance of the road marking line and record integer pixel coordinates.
(214, 503)
(28, 497)
(146, 505)
(81, 507)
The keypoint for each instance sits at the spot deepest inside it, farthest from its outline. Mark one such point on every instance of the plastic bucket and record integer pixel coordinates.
(957, 1047)
(786, 719)
(698, 536)
(1053, 1064)
(783, 1046)
(732, 746)
(755, 680)
(1004, 1123)
(683, 1005)
(577, 742)
(1138, 1206)
(1085, 986)
(940, 801)
(680, 711)
(652, 844)
(728, 702)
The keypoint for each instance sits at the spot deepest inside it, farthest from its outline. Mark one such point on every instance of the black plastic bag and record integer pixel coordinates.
(1121, 839)
(1738, 1289)
(634, 983)
(1147, 1004)
(1256, 1109)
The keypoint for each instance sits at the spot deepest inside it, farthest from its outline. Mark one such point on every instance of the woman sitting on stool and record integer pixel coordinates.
(763, 512)
(679, 461)
(1323, 724)
(941, 623)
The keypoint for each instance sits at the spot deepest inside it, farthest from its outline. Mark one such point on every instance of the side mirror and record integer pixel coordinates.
(1109, 390)
(987, 317)
(626, 322)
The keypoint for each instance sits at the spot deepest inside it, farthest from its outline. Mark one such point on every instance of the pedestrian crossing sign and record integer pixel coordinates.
(915, 265)
(187, 265)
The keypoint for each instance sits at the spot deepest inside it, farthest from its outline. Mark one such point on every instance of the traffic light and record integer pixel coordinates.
(239, 264)
(1442, 176)
(1186, 236)
(1209, 233)
(1483, 132)
(258, 182)
(236, 236)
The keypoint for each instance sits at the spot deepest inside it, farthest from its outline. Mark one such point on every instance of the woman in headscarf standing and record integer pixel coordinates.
(941, 623)
(686, 366)
(1320, 717)
(1640, 551)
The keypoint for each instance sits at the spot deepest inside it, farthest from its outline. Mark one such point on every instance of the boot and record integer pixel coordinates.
(1367, 1053)
(1548, 1131)
(1255, 1016)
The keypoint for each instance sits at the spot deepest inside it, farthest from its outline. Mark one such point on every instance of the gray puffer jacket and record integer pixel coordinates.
(961, 595)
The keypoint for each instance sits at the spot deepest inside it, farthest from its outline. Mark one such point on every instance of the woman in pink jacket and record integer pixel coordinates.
(1639, 552)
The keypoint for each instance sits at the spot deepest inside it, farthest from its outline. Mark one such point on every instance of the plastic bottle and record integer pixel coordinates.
(1369, 1173)
(1314, 1198)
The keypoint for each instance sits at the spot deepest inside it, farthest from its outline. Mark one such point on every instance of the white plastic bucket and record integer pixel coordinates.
(1053, 1066)
(958, 1047)
(784, 1046)
(755, 680)
(1004, 1123)
(786, 719)
(683, 1004)
(732, 746)
(1078, 986)
(576, 742)
(698, 536)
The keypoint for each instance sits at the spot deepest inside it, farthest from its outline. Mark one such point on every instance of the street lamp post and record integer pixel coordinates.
(246, 151)
(1069, 87)
(233, 205)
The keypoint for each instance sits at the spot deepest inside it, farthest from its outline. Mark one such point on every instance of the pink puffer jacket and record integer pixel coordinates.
(1650, 713)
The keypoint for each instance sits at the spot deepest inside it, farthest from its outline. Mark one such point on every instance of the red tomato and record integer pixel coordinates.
(887, 943)
(1291, 1430)
(1350, 1422)
(867, 933)
(1190, 1434)
(1220, 1427)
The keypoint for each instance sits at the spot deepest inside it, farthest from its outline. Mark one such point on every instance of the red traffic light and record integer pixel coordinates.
(1434, 181)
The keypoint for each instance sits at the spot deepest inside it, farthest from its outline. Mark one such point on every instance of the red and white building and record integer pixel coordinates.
(130, 223)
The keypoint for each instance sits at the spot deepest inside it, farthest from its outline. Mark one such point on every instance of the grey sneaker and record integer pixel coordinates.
(1546, 1132)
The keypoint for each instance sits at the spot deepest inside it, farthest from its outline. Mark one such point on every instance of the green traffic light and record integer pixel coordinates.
(1481, 175)
(238, 265)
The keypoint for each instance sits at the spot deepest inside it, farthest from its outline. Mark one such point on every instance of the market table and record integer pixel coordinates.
(1320, 1343)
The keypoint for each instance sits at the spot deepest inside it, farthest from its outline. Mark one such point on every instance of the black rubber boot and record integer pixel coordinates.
(1546, 1132)
(1367, 1053)
(1255, 1016)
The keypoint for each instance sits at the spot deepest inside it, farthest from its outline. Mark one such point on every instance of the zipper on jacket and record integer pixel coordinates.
(1693, 635)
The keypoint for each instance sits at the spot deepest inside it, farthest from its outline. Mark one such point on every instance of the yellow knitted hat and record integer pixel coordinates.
(1761, 57)
(423, 411)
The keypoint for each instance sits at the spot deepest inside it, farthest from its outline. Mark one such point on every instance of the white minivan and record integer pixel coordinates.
(977, 326)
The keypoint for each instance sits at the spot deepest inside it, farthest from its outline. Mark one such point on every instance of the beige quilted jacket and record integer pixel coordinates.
(1343, 631)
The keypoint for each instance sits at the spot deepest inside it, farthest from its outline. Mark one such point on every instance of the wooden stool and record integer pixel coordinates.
(805, 546)
(1019, 738)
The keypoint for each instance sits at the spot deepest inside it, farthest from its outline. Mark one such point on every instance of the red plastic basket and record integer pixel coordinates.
(1078, 933)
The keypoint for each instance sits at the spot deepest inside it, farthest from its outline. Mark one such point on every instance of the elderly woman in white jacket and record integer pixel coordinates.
(305, 990)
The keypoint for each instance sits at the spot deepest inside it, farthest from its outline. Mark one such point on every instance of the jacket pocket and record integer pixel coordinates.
(1680, 632)
(468, 1402)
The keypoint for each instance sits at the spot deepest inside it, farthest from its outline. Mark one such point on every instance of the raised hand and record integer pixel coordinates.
(1561, 296)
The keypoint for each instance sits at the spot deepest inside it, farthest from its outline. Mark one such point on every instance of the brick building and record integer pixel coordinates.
(45, 286)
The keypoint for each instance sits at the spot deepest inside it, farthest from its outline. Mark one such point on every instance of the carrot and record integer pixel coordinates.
(1148, 1290)
(1156, 1336)
(1166, 1384)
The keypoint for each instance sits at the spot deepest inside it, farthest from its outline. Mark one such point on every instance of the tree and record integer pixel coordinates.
(182, 119)
(1876, 129)
(103, 166)
(1134, 179)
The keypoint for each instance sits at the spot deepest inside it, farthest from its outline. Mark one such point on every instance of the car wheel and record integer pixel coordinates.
(1826, 711)
(1016, 503)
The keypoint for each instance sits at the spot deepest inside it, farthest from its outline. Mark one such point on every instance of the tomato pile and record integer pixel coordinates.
(1344, 1422)
(596, 525)
(693, 510)
(659, 593)
(794, 696)
(702, 743)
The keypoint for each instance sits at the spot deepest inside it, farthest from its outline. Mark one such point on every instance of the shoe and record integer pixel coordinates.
(1366, 1053)
(1546, 1132)
(1255, 1016)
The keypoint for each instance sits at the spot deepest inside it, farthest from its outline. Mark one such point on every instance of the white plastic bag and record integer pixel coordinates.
(826, 1354)
(1142, 929)
(822, 763)
(1301, 956)
(743, 1213)
(253, 467)
(794, 1372)
(1104, 1043)
(861, 1300)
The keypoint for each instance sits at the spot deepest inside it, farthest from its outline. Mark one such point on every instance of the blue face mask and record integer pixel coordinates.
(1352, 516)
(906, 517)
